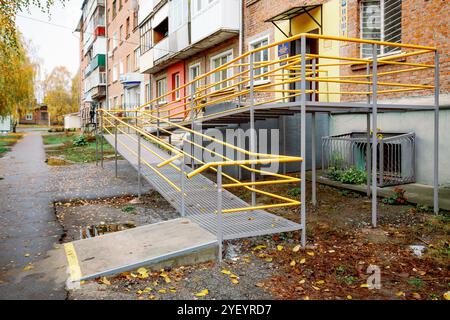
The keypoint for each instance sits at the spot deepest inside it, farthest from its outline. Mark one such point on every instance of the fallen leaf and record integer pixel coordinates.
(364, 285)
(202, 293)
(260, 247)
(320, 282)
(269, 259)
(259, 284)
(416, 295)
(400, 294)
(151, 297)
(26, 255)
(310, 254)
(233, 276)
(280, 248)
(296, 248)
(349, 297)
(447, 295)
(224, 271)
(234, 281)
(104, 280)
(28, 267)
(302, 281)
(302, 261)
(162, 291)
(292, 263)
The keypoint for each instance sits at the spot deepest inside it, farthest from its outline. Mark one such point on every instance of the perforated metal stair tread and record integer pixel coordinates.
(201, 202)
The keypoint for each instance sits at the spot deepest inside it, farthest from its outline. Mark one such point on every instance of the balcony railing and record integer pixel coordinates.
(161, 49)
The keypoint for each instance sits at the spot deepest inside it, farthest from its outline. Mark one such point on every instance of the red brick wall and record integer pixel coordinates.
(424, 22)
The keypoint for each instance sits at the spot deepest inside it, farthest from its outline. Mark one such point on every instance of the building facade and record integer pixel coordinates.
(92, 29)
(155, 47)
(125, 82)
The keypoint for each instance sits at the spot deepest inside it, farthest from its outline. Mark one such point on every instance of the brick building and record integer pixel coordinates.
(37, 116)
(125, 82)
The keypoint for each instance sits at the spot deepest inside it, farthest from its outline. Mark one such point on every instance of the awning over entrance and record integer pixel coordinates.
(294, 12)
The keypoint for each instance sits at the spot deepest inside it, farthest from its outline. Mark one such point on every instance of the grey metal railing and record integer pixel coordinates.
(395, 153)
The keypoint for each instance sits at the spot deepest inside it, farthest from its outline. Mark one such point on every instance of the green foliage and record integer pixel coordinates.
(57, 139)
(128, 209)
(349, 176)
(294, 192)
(418, 283)
(398, 198)
(80, 141)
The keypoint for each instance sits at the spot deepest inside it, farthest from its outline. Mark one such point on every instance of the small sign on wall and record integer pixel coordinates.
(343, 18)
(283, 51)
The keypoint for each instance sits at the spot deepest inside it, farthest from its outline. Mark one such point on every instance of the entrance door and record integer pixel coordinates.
(312, 46)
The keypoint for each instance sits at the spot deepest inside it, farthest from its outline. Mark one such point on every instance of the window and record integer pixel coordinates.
(114, 9)
(161, 31)
(176, 14)
(121, 34)
(201, 4)
(147, 92)
(135, 19)
(161, 90)
(146, 37)
(381, 20)
(137, 58)
(194, 72)
(218, 61)
(129, 66)
(260, 56)
(114, 73)
(115, 40)
(127, 28)
(116, 102)
(29, 117)
(176, 85)
(121, 68)
(120, 5)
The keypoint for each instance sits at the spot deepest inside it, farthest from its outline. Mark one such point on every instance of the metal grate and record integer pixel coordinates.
(202, 196)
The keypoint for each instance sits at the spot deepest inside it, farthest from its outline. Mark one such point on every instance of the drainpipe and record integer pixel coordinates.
(107, 57)
(241, 27)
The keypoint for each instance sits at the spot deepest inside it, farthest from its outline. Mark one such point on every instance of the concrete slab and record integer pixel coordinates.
(416, 193)
(159, 244)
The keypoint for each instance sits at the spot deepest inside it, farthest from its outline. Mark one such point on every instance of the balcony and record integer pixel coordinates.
(219, 15)
(131, 79)
(161, 49)
(215, 23)
(95, 85)
(98, 61)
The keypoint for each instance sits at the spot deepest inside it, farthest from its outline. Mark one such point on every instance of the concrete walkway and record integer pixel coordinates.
(28, 225)
(29, 231)
(416, 193)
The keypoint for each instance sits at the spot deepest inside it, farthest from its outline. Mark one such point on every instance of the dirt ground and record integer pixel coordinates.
(335, 264)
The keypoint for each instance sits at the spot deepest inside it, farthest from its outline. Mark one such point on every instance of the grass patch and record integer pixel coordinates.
(128, 209)
(72, 152)
(57, 138)
(7, 141)
(418, 283)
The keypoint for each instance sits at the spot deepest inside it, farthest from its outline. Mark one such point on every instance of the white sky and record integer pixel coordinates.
(53, 37)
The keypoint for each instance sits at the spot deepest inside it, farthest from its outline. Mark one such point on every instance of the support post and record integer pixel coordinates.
(252, 123)
(96, 139)
(313, 140)
(303, 141)
(158, 121)
(436, 133)
(102, 138)
(183, 187)
(139, 166)
(219, 212)
(368, 155)
(374, 134)
(192, 125)
(115, 148)
(283, 124)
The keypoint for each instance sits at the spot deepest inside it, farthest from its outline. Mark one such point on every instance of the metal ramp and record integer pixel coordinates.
(201, 202)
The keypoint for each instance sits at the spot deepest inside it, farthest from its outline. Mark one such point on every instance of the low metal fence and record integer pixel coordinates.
(395, 153)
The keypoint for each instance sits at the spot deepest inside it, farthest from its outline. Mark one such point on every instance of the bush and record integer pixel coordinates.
(80, 141)
(349, 176)
(398, 198)
(294, 192)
